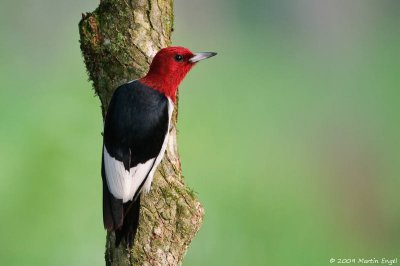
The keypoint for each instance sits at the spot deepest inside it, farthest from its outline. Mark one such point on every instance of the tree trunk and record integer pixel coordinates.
(118, 41)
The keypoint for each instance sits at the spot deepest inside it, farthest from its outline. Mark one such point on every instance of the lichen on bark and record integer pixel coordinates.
(118, 41)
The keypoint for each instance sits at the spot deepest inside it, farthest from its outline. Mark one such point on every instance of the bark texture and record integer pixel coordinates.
(118, 41)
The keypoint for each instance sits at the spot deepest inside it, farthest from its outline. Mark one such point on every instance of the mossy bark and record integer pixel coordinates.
(118, 41)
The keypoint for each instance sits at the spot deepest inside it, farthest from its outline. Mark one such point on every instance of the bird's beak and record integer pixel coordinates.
(200, 56)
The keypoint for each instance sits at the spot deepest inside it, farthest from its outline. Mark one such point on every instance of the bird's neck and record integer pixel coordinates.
(168, 86)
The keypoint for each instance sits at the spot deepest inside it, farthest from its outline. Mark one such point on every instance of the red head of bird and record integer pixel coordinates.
(169, 67)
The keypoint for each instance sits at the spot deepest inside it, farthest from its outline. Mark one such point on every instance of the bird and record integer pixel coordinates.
(135, 136)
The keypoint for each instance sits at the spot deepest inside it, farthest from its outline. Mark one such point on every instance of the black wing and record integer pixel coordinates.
(135, 127)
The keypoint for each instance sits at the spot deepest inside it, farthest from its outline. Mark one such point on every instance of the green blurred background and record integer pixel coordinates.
(290, 136)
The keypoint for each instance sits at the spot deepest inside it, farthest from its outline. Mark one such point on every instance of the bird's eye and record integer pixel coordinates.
(178, 58)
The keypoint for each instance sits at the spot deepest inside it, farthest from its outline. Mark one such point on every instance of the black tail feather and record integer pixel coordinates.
(130, 224)
(123, 218)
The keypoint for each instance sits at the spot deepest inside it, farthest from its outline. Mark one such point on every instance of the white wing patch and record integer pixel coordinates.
(122, 183)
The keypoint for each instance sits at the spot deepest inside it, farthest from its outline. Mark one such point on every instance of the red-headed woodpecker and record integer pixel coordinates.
(136, 130)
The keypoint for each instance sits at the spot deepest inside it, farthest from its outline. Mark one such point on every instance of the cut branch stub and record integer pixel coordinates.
(119, 39)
